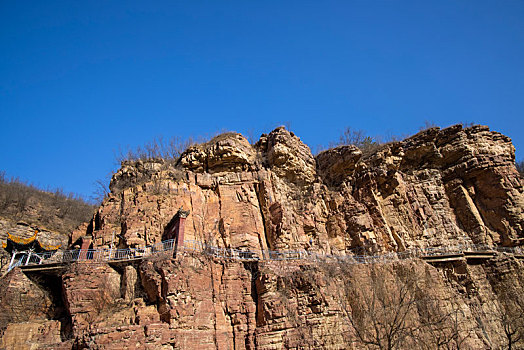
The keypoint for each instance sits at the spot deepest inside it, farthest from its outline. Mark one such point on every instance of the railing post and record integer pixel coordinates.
(12, 259)
(28, 258)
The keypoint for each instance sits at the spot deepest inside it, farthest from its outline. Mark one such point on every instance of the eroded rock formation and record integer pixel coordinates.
(437, 188)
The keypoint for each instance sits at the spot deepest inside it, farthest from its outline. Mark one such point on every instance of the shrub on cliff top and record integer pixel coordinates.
(157, 148)
(170, 149)
(357, 138)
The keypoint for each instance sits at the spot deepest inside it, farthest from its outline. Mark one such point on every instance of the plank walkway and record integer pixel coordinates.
(50, 261)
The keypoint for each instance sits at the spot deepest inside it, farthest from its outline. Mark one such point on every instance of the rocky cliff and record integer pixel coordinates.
(25, 209)
(437, 188)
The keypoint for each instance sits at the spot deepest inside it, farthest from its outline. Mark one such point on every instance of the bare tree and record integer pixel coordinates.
(382, 316)
(513, 328)
(467, 124)
(250, 133)
(157, 148)
(428, 124)
(178, 145)
(23, 301)
(357, 138)
(520, 167)
(510, 314)
(391, 309)
(100, 192)
(444, 323)
(352, 137)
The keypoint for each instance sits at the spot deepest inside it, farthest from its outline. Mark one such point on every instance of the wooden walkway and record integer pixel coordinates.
(57, 261)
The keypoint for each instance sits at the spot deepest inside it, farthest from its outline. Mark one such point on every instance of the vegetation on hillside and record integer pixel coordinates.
(358, 138)
(54, 210)
(157, 148)
(391, 306)
(167, 149)
(370, 144)
(520, 167)
(165, 152)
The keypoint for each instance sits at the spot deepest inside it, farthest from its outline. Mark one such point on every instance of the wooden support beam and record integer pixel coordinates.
(443, 258)
(480, 255)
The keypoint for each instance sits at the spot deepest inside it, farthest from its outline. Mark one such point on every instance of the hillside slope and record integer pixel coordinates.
(25, 209)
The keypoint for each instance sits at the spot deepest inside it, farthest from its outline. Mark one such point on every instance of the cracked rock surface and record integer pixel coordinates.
(436, 188)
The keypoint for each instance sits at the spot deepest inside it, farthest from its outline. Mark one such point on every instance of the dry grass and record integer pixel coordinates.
(53, 210)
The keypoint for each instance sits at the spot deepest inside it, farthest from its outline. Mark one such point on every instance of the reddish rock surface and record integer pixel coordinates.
(437, 188)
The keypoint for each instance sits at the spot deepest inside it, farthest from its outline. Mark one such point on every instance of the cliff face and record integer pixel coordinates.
(437, 188)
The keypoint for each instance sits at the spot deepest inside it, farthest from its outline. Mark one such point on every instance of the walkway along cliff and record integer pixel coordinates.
(444, 188)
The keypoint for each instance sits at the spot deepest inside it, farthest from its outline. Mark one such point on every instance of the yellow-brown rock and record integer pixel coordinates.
(437, 188)
(32, 335)
(226, 152)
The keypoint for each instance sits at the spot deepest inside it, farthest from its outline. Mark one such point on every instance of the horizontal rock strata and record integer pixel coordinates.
(437, 188)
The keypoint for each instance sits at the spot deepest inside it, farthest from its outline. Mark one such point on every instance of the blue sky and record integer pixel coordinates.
(79, 79)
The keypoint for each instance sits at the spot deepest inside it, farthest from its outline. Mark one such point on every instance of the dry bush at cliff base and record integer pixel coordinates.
(396, 312)
(383, 316)
(444, 324)
(510, 314)
(99, 292)
(380, 307)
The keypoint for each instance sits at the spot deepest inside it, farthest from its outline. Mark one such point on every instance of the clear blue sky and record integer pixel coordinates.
(78, 79)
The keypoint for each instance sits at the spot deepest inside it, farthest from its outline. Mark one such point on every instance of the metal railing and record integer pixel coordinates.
(15, 264)
(115, 255)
